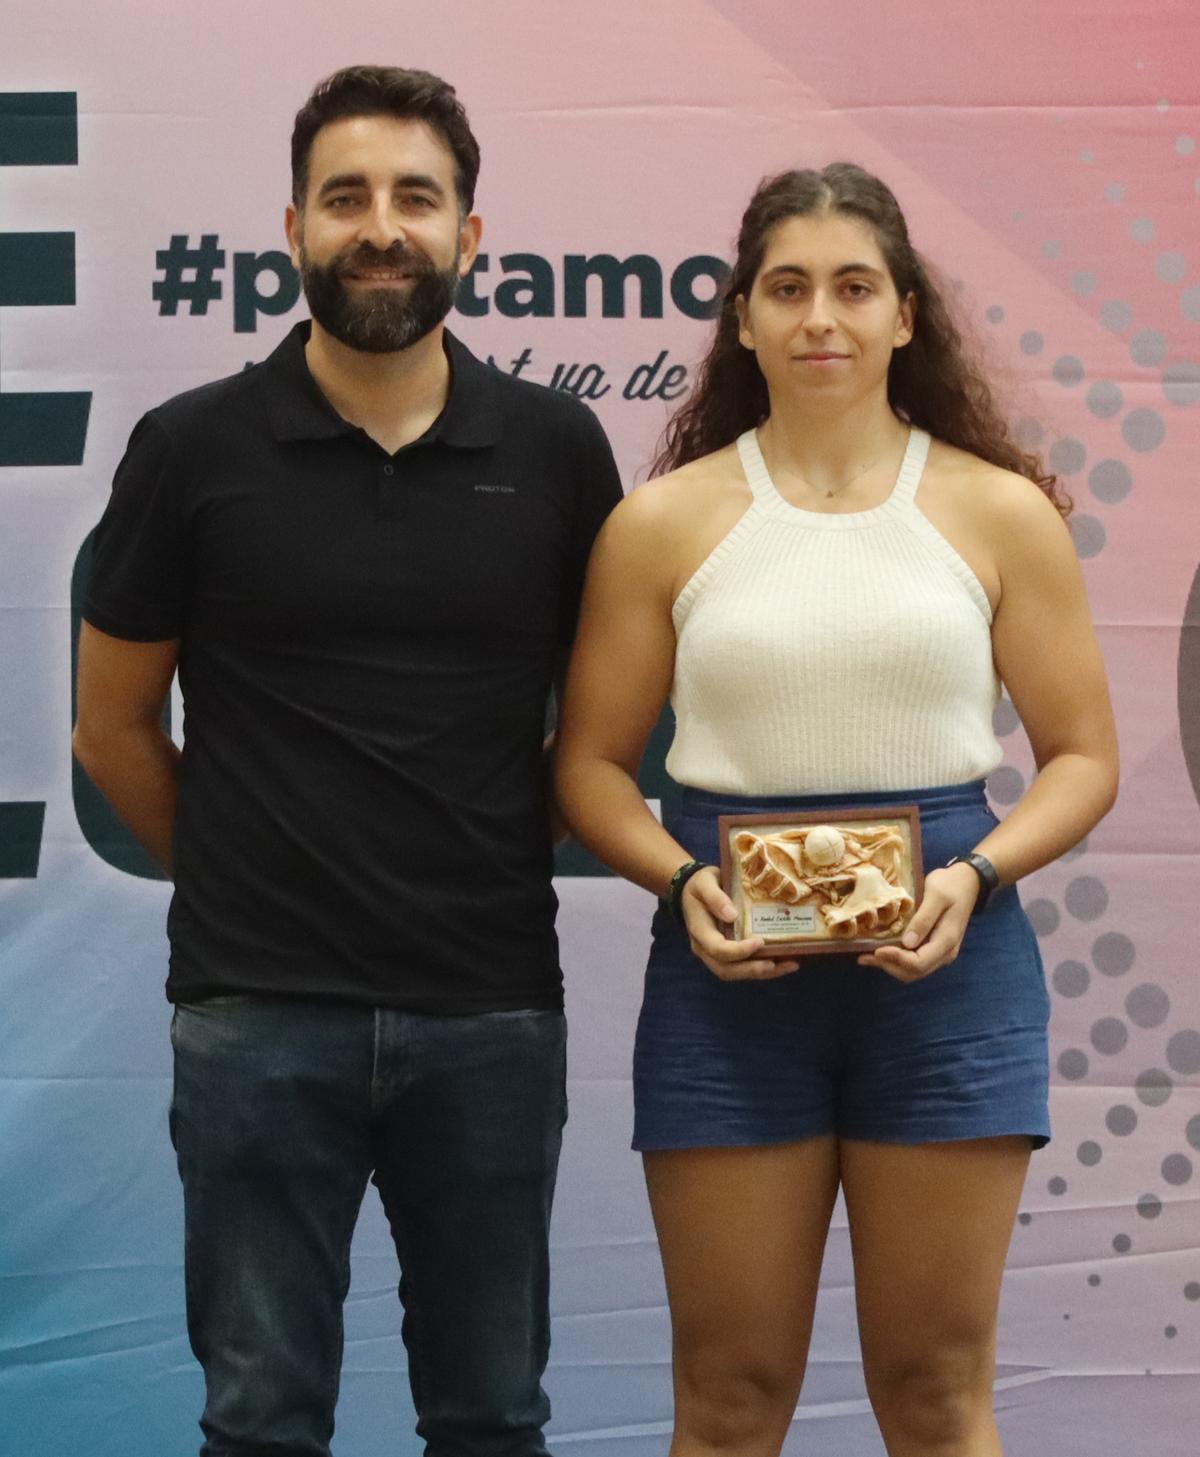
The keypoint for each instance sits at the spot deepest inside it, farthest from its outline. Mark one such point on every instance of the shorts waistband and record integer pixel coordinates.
(703, 802)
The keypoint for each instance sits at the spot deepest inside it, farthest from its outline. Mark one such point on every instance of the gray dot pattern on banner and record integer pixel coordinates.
(1183, 1052)
(1148, 347)
(1068, 370)
(1116, 315)
(1153, 1087)
(1121, 1120)
(1185, 146)
(1093, 1280)
(1006, 784)
(1004, 718)
(1073, 1063)
(1171, 267)
(1181, 383)
(1088, 534)
(1148, 1005)
(1071, 979)
(1086, 898)
(1143, 429)
(1109, 1036)
(995, 314)
(1104, 399)
(1112, 954)
(1110, 481)
(1025, 1219)
(1191, 1291)
(1068, 456)
(1043, 917)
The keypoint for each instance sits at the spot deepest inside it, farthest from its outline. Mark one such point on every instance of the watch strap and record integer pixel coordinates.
(673, 900)
(985, 870)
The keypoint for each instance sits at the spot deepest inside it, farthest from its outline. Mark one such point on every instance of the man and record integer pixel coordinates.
(365, 556)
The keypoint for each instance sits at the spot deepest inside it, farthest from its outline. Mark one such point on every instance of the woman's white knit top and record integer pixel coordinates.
(832, 652)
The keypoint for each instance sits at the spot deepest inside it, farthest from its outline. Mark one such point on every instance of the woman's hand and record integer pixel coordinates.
(936, 931)
(706, 910)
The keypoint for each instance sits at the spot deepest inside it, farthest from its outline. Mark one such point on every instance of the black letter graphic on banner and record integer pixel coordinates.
(40, 129)
(537, 289)
(683, 280)
(37, 129)
(1188, 686)
(248, 302)
(612, 273)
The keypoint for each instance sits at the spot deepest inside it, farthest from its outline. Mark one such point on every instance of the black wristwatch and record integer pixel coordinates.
(986, 871)
(673, 900)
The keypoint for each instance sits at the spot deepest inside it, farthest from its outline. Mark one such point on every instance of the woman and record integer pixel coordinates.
(846, 554)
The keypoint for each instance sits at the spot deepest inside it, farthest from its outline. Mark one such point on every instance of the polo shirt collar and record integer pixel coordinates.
(297, 409)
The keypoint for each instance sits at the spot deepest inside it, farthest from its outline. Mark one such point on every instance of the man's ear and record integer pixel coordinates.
(293, 230)
(469, 235)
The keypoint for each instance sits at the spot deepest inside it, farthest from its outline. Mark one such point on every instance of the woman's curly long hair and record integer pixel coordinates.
(932, 381)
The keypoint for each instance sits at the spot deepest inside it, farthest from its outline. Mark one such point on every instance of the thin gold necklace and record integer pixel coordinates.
(849, 481)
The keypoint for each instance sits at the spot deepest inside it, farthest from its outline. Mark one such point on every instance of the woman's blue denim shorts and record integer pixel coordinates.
(841, 1048)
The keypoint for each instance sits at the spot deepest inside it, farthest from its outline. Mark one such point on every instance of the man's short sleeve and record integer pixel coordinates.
(138, 584)
(598, 490)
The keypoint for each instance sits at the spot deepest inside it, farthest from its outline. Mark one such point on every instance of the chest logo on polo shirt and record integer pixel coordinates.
(495, 490)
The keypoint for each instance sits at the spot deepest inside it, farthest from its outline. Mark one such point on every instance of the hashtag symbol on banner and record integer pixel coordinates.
(203, 263)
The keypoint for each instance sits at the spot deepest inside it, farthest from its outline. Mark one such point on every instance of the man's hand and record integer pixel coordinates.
(706, 910)
(935, 933)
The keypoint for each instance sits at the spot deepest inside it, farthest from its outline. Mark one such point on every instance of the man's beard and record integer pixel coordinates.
(379, 320)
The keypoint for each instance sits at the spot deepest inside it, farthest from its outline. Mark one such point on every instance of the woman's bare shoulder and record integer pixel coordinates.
(679, 497)
(993, 495)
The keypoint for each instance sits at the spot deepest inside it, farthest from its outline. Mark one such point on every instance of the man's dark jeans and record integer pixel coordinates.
(282, 1110)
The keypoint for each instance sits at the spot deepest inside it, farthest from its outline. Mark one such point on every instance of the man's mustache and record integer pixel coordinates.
(399, 257)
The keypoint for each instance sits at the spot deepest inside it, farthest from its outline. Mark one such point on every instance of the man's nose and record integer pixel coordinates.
(381, 226)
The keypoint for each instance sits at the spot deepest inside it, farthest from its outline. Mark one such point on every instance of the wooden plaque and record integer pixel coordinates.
(822, 881)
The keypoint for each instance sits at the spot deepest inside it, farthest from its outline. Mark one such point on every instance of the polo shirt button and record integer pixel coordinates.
(389, 470)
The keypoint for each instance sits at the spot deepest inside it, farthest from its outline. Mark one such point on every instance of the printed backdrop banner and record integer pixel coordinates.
(1046, 154)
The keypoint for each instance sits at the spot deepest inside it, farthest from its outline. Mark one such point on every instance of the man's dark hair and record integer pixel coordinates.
(387, 91)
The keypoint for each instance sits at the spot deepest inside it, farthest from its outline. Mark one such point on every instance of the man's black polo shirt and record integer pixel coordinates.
(368, 642)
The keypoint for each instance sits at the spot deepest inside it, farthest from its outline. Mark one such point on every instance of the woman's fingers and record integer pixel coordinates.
(707, 910)
(934, 935)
